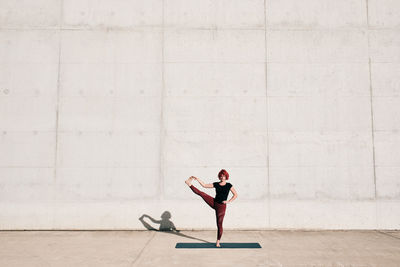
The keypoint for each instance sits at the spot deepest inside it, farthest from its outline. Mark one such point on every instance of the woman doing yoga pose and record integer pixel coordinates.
(219, 202)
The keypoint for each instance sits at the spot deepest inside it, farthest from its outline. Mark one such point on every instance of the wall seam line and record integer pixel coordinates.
(267, 107)
(372, 115)
(57, 111)
(162, 130)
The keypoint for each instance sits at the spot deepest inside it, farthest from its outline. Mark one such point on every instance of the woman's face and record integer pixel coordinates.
(222, 177)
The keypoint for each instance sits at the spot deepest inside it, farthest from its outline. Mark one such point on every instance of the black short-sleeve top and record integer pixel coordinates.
(222, 191)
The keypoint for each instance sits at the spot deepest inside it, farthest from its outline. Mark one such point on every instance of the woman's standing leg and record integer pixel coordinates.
(220, 214)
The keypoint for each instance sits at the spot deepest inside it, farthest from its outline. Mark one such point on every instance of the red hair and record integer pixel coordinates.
(223, 172)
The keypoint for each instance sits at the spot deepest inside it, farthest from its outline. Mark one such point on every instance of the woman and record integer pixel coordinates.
(219, 202)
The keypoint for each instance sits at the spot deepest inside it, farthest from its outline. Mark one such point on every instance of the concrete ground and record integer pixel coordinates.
(157, 248)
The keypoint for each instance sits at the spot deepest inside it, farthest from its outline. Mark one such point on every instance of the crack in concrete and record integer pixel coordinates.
(140, 253)
(384, 233)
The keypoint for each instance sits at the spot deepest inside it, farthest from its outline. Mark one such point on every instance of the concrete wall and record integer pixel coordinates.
(107, 106)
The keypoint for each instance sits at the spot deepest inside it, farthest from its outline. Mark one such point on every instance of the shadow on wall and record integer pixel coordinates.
(166, 225)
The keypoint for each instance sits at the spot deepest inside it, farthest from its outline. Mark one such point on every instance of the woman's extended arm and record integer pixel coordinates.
(203, 184)
(200, 181)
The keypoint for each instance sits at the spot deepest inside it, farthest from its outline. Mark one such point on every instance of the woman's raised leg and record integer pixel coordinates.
(207, 198)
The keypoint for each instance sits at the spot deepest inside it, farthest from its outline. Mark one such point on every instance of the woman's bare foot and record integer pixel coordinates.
(189, 181)
(217, 244)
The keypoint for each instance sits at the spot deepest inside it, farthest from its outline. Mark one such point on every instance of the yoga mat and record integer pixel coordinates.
(212, 245)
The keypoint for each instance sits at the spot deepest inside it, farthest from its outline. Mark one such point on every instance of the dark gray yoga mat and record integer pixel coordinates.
(212, 245)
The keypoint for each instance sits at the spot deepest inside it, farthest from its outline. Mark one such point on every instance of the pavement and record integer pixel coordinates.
(283, 248)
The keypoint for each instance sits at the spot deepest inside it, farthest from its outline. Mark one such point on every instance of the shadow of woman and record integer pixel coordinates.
(166, 225)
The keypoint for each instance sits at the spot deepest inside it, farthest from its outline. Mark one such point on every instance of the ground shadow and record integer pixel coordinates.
(166, 225)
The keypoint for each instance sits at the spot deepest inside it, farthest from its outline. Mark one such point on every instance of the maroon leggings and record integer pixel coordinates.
(219, 208)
